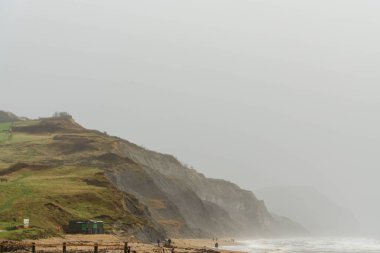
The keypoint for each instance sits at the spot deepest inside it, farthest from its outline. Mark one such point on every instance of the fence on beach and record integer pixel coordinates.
(65, 247)
(9, 246)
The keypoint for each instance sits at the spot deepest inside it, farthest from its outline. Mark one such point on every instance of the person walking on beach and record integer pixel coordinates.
(158, 242)
(216, 245)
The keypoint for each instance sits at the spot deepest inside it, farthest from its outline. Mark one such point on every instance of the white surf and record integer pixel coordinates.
(309, 245)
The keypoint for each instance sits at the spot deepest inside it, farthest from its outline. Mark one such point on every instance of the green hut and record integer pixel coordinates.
(86, 227)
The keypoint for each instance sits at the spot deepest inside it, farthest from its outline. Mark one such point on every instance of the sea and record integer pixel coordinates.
(308, 245)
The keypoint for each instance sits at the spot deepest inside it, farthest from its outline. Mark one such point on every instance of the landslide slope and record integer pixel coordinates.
(211, 206)
(53, 170)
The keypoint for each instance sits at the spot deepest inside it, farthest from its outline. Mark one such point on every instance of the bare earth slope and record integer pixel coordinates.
(54, 170)
(231, 210)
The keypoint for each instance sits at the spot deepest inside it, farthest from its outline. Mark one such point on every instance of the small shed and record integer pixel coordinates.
(86, 227)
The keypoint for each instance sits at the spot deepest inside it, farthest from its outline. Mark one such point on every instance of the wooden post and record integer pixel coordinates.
(33, 247)
(126, 247)
(129, 249)
(96, 246)
(172, 249)
(64, 247)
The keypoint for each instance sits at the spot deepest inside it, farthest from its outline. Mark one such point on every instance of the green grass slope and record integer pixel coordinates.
(48, 175)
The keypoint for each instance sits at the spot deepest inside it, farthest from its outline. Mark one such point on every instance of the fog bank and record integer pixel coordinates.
(262, 93)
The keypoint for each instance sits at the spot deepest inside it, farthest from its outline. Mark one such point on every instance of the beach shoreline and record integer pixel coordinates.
(114, 243)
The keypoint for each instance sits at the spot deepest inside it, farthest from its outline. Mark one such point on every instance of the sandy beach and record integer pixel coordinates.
(113, 243)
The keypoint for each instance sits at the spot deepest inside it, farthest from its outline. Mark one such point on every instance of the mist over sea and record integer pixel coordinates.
(309, 245)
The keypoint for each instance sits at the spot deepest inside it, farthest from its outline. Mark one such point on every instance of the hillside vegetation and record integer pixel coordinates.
(52, 170)
(48, 178)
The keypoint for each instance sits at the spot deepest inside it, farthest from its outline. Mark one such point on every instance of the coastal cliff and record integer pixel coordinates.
(68, 172)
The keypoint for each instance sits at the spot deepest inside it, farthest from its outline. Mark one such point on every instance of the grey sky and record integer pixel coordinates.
(259, 92)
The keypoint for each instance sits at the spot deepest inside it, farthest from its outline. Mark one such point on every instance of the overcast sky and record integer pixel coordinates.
(259, 92)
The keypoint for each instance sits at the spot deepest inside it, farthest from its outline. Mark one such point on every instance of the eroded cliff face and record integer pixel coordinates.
(208, 206)
(174, 205)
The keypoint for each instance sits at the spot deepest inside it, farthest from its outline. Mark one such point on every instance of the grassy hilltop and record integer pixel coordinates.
(48, 177)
